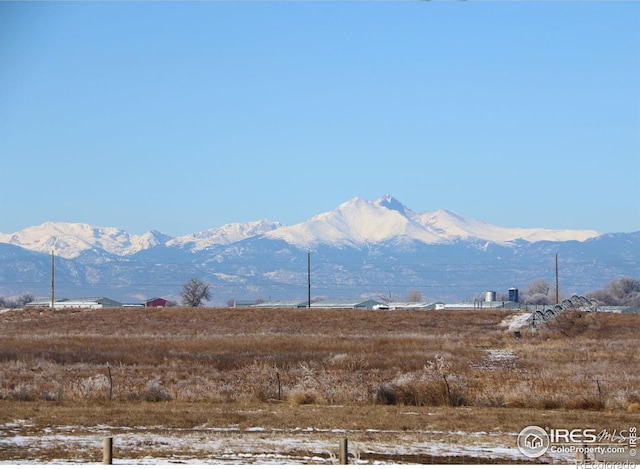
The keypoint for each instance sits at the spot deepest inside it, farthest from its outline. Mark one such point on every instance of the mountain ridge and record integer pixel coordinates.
(360, 249)
(355, 223)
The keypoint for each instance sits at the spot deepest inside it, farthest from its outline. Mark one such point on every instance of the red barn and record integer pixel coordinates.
(156, 303)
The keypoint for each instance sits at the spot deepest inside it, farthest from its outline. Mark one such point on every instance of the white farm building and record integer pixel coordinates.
(77, 303)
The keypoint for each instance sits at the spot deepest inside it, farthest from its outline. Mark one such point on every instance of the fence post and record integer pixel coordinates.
(344, 451)
(107, 450)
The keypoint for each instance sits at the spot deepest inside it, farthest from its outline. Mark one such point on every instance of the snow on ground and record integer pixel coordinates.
(232, 445)
(517, 321)
(499, 358)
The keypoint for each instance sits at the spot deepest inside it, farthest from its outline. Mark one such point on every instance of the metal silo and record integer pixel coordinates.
(513, 294)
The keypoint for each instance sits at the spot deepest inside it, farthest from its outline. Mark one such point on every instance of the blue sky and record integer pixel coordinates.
(185, 116)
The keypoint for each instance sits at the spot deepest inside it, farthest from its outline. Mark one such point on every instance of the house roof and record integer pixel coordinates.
(83, 301)
(345, 303)
(411, 305)
(245, 302)
(98, 299)
(284, 304)
(481, 305)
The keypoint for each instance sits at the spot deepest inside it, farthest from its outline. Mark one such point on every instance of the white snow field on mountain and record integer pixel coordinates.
(355, 223)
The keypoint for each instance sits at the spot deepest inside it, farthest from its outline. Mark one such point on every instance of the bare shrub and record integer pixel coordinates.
(633, 396)
(93, 387)
(24, 392)
(550, 401)
(426, 388)
(200, 389)
(456, 390)
(388, 394)
(301, 396)
(518, 396)
(259, 381)
(349, 362)
(154, 393)
(584, 403)
(495, 399)
(417, 393)
(50, 396)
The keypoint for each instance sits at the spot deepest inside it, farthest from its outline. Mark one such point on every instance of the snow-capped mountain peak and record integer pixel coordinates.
(454, 225)
(68, 240)
(226, 234)
(354, 223)
(359, 222)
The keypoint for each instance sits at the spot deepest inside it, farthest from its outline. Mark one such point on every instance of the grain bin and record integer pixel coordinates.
(490, 296)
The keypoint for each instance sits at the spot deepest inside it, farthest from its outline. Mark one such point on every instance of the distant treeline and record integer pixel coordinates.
(17, 303)
(623, 291)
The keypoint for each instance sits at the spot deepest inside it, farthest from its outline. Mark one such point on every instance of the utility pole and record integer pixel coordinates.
(557, 283)
(53, 283)
(309, 278)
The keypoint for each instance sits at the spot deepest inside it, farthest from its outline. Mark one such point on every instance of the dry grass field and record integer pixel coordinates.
(400, 372)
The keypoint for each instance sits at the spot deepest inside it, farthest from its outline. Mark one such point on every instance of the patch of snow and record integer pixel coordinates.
(517, 321)
(499, 356)
(259, 445)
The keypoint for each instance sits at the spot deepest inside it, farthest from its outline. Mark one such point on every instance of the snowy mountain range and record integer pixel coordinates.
(355, 223)
(360, 248)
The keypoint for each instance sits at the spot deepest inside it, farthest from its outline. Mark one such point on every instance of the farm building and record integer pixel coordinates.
(411, 305)
(346, 304)
(244, 303)
(284, 304)
(480, 305)
(80, 303)
(156, 303)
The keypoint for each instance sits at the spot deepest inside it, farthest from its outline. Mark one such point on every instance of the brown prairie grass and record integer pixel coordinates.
(310, 357)
(283, 415)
